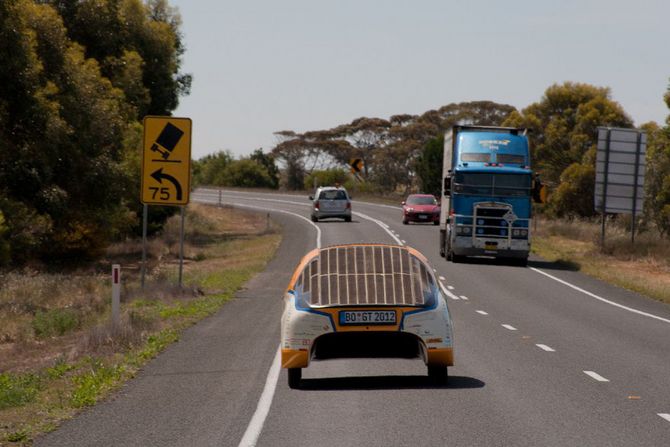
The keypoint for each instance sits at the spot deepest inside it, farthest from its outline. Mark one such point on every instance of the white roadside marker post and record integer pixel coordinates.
(116, 295)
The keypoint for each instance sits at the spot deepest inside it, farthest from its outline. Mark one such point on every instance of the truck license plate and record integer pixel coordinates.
(367, 317)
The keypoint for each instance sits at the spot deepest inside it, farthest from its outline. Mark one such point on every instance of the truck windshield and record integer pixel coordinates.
(483, 184)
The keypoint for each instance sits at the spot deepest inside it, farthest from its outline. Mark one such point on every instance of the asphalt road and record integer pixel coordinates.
(544, 357)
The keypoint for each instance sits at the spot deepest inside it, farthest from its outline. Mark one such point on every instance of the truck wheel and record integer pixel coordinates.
(521, 262)
(438, 375)
(315, 219)
(294, 376)
(347, 219)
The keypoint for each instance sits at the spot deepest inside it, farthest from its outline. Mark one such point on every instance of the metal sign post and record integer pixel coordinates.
(145, 219)
(181, 247)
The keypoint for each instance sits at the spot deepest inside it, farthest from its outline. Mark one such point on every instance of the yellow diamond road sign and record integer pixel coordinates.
(166, 161)
(356, 165)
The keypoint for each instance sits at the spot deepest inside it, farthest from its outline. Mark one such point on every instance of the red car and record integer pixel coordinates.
(421, 208)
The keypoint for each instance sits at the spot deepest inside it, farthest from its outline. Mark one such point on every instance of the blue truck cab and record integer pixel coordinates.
(487, 192)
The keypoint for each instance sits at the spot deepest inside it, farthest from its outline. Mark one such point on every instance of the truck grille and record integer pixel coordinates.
(363, 275)
(489, 222)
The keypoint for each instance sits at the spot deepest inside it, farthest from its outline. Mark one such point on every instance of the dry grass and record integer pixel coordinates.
(643, 267)
(223, 249)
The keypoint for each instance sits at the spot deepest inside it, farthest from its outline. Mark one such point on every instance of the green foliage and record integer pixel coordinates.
(246, 173)
(564, 125)
(326, 177)
(574, 195)
(268, 162)
(657, 177)
(89, 71)
(18, 389)
(429, 166)
(55, 322)
(90, 385)
(209, 169)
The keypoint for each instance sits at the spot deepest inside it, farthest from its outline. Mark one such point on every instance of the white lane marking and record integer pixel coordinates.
(404, 241)
(435, 271)
(482, 312)
(258, 419)
(545, 348)
(665, 416)
(384, 226)
(450, 287)
(509, 326)
(381, 224)
(463, 297)
(593, 295)
(318, 230)
(446, 292)
(216, 191)
(442, 278)
(596, 376)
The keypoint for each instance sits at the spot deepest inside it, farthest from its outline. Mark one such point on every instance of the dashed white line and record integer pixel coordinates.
(403, 241)
(596, 376)
(509, 326)
(463, 297)
(450, 287)
(446, 292)
(481, 312)
(665, 416)
(545, 348)
(442, 278)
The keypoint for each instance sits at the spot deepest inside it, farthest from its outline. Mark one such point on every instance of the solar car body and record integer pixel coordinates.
(365, 301)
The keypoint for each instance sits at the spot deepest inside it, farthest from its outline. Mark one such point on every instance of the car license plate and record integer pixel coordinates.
(367, 317)
(423, 216)
(491, 246)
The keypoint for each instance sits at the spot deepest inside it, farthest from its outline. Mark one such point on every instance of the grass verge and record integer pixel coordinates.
(643, 267)
(58, 362)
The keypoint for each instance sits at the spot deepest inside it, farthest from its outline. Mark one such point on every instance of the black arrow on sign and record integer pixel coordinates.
(159, 176)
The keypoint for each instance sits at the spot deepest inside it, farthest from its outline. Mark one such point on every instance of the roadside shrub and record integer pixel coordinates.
(17, 390)
(327, 177)
(246, 173)
(55, 322)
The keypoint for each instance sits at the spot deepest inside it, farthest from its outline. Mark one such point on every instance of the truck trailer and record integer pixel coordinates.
(487, 192)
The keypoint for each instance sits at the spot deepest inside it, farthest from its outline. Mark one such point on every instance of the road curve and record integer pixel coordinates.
(540, 360)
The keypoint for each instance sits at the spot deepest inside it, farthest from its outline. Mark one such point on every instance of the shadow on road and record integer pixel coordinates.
(386, 383)
(561, 264)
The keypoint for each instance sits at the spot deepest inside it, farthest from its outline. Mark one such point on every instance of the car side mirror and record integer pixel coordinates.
(447, 186)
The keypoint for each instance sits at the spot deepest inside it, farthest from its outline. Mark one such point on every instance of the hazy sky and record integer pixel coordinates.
(264, 66)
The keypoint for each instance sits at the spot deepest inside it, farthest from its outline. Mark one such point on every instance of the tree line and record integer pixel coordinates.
(76, 79)
(403, 154)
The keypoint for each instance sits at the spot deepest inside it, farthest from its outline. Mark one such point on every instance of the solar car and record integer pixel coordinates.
(365, 301)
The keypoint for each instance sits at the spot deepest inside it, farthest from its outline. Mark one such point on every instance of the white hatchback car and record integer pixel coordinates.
(331, 201)
(365, 301)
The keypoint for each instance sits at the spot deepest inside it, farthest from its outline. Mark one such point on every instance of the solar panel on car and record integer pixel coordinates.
(365, 275)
